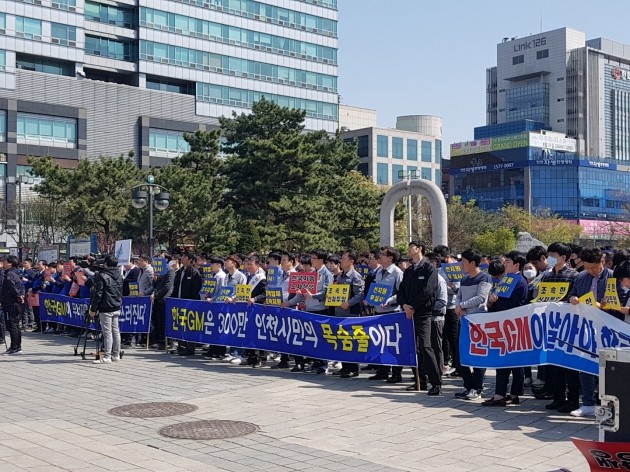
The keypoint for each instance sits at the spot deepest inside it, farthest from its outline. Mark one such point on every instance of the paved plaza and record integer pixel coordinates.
(55, 417)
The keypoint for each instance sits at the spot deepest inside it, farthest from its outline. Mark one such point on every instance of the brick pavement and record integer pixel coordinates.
(54, 417)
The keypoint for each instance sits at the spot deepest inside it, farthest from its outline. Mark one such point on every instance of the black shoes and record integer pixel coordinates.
(568, 407)
(554, 405)
(435, 391)
(379, 377)
(493, 402)
(394, 379)
(349, 375)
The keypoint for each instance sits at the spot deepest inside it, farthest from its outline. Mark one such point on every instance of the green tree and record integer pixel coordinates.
(300, 189)
(249, 238)
(543, 225)
(495, 243)
(93, 197)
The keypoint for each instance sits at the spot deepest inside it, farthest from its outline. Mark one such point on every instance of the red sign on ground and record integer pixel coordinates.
(604, 456)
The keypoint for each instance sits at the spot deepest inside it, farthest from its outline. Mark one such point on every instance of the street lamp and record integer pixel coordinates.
(21, 179)
(409, 175)
(154, 195)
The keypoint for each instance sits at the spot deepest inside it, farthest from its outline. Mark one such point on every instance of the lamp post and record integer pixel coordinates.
(153, 194)
(409, 175)
(22, 179)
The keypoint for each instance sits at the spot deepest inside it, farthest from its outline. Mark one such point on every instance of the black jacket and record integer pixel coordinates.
(190, 281)
(12, 288)
(418, 288)
(132, 276)
(163, 286)
(107, 291)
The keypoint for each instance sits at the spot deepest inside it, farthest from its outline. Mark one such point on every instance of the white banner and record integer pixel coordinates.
(122, 251)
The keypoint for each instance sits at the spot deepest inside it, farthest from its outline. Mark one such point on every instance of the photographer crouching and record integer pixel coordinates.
(106, 301)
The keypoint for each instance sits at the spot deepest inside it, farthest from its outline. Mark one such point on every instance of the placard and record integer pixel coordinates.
(134, 289)
(227, 291)
(611, 297)
(209, 287)
(588, 298)
(160, 266)
(273, 296)
(336, 294)
(122, 251)
(379, 294)
(243, 292)
(273, 276)
(552, 291)
(363, 270)
(506, 286)
(454, 271)
(67, 269)
(303, 281)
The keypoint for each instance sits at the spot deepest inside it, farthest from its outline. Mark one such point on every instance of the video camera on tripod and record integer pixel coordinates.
(93, 262)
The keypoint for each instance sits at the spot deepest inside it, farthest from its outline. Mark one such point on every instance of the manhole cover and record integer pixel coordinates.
(152, 410)
(212, 429)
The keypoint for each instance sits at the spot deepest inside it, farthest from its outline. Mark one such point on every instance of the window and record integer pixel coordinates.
(64, 4)
(542, 54)
(121, 50)
(412, 149)
(3, 21)
(528, 102)
(397, 148)
(438, 151)
(518, 59)
(109, 14)
(28, 27)
(63, 34)
(363, 149)
(382, 174)
(382, 146)
(397, 173)
(48, 66)
(166, 85)
(438, 178)
(3, 125)
(44, 130)
(169, 144)
(3, 61)
(426, 151)
(425, 173)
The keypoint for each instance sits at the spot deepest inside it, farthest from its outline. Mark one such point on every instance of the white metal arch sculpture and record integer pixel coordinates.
(425, 188)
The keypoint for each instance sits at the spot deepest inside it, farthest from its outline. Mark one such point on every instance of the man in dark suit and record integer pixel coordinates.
(163, 287)
(187, 286)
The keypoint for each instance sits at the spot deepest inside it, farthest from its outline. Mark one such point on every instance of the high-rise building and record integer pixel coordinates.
(557, 132)
(84, 78)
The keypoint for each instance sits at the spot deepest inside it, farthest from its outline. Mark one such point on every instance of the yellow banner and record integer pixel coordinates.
(552, 291)
(336, 294)
(243, 292)
(611, 298)
(589, 299)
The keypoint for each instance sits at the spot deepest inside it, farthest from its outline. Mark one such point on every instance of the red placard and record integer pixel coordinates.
(302, 281)
(67, 269)
(604, 456)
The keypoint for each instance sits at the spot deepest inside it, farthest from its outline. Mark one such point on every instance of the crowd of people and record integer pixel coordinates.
(420, 287)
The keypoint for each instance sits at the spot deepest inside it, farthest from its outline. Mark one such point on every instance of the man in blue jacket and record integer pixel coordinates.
(11, 297)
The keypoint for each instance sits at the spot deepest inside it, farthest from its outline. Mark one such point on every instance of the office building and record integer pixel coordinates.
(82, 78)
(557, 133)
(412, 149)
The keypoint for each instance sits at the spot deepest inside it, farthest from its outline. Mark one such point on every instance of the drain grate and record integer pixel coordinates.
(152, 410)
(208, 429)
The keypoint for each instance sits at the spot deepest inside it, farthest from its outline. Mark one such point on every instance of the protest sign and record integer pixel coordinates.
(243, 292)
(551, 291)
(303, 281)
(67, 269)
(506, 286)
(225, 292)
(273, 274)
(363, 270)
(122, 251)
(384, 340)
(209, 287)
(454, 271)
(336, 294)
(273, 296)
(379, 294)
(484, 267)
(134, 289)
(160, 266)
(610, 296)
(541, 333)
(588, 299)
(135, 314)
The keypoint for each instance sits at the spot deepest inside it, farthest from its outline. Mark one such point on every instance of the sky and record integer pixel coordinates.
(420, 57)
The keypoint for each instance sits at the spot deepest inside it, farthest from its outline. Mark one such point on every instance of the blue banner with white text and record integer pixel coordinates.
(135, 313)
(541, 333)
(384, 339)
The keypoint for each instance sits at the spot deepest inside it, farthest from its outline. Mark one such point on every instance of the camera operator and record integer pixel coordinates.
(107, 301)
(11, 297)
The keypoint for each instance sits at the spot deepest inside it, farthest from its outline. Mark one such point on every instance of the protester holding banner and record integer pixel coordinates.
(593, 279)
(373, 267)
(38, 284)
(352, 307)
(11, 297)
(162, 288)
(287, 264)
(233, 279)
(187, 285)
(417, 297)
(514, 263)
(622, 274)
(257, 280)
(562, 383)
(472, 298)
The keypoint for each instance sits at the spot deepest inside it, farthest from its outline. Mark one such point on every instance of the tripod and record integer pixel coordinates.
(84, 335)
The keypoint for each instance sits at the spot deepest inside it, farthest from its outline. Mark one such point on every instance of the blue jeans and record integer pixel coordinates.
(588, 383)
